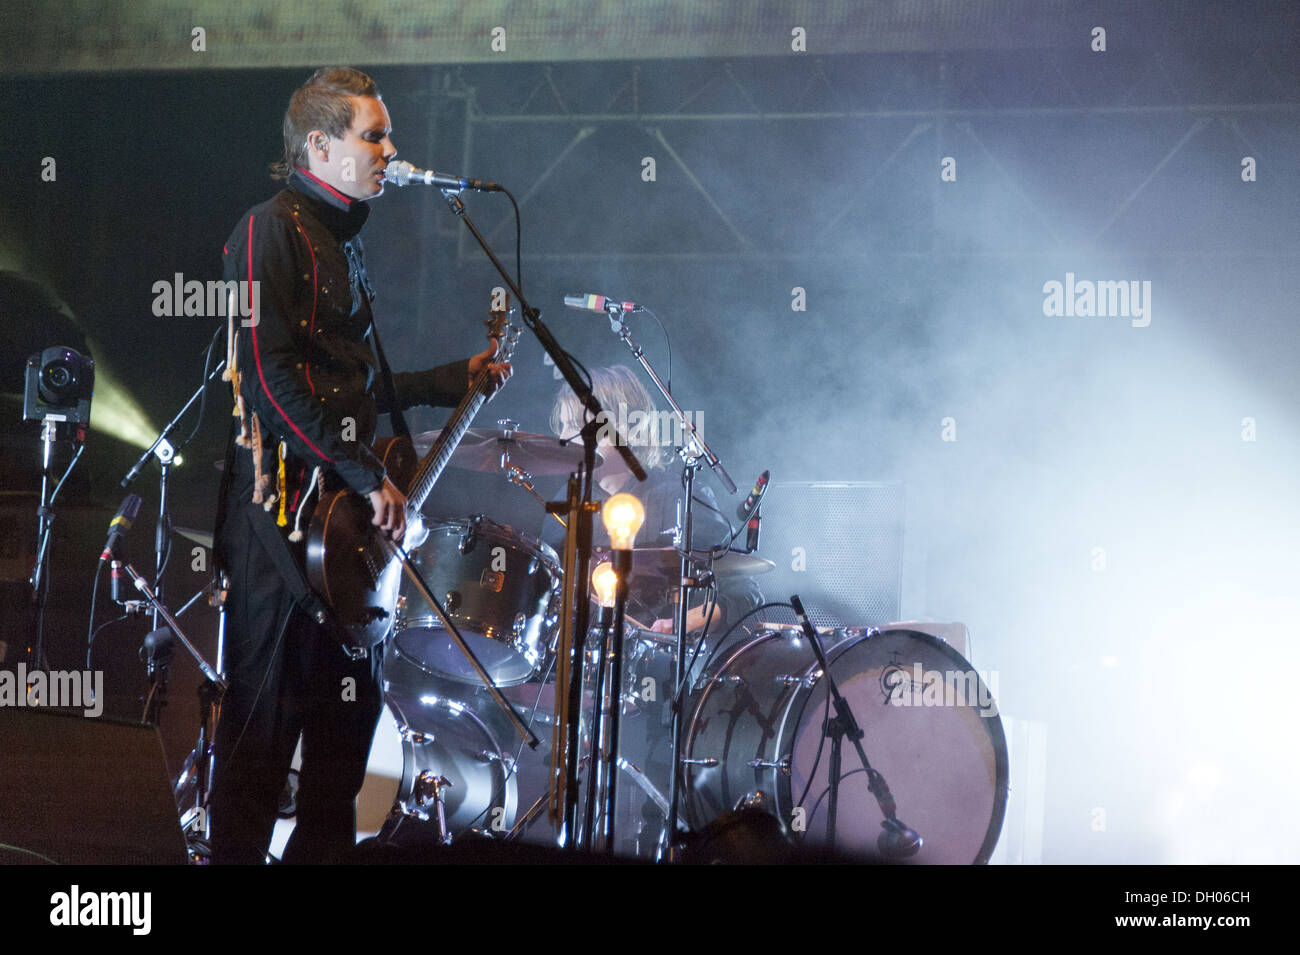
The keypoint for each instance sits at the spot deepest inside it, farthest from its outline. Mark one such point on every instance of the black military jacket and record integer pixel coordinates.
(305, 354)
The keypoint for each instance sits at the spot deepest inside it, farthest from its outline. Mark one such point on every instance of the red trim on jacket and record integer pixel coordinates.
(257, 357)
(326, 186)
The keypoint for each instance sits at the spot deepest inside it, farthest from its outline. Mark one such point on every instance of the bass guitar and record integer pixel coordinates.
(352, 563)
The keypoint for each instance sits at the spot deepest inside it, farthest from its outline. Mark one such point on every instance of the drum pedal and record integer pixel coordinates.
(427, 793)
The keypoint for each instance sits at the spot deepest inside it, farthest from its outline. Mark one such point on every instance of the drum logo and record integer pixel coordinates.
(914, 685)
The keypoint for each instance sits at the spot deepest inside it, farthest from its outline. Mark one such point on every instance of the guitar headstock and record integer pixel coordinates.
(502, 330)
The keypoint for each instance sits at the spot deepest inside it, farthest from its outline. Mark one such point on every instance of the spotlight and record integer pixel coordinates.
(60, 383)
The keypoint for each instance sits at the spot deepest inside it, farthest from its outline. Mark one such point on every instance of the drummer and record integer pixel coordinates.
(652, 598)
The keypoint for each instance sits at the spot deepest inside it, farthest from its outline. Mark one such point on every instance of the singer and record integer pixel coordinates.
(310, 379)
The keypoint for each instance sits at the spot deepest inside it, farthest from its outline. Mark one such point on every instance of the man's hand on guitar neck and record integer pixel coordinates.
(390, 510)
(500, 372)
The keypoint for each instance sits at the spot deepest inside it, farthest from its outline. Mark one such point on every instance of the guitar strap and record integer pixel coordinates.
(356, 255)
(390, 390)
(277, 547)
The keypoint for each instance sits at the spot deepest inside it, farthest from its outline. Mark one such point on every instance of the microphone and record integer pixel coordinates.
(403, 174)
(750, 504)
(898, 841)
(117, 575)
(120, 524)
(752, 528)
(599, 303)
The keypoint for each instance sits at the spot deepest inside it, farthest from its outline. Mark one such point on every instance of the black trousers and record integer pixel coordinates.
(288, 675)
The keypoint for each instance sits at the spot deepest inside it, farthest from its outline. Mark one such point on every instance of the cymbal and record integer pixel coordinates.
(198, 536)
(538, 454)
(664, 563)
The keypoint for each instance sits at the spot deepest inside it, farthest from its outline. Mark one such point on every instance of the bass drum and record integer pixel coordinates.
(447, 730)
(931, 729)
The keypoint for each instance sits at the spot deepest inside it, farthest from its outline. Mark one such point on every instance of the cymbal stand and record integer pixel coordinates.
(692, 451)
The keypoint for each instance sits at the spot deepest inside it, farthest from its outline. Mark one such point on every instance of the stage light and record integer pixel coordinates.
(623, 515)
(116, 413)
(604, 580)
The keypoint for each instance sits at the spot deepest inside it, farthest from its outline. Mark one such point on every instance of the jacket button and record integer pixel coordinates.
(303, 323)
(298, 365)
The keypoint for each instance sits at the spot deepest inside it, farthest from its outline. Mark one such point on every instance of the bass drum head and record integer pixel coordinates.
(443, 736)
(931, 730)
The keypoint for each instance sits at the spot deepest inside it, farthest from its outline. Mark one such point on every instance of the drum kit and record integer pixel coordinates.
(755, 708)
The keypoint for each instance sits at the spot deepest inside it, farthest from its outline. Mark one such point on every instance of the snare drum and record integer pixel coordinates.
(499, 588)
(932, 731)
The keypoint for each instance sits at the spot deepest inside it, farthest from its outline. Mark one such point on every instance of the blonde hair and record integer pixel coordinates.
(615, 387)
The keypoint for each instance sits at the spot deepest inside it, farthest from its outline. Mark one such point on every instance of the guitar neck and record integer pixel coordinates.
(431, 467)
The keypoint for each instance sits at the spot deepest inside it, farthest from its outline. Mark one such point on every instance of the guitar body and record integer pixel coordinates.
(344, 549)
(350, 562)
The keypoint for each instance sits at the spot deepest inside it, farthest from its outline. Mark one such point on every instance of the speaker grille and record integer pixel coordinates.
(76, 790)
(848, 539)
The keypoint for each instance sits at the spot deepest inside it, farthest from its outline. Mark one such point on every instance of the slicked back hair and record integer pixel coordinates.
(323, 102)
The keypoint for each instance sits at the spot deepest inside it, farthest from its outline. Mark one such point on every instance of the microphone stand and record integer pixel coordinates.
(166, 453)
(595, 778)
(154, 601)
(45, 525)
(619, 327)
(897, 841)
(577, 604)
(692, 450)
(213, 686)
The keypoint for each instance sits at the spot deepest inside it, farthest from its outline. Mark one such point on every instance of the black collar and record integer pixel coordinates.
(342, 215)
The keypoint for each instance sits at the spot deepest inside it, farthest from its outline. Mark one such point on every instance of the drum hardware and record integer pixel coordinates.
(497, 449)
(947, 764)
(905, 842)
(808, 681)
(654, 565)
(427, 793)
(575, 603)
(499, 585)
(521, 478)
(414, 736)
(758, 799)
(414, 575)
(692, 451)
